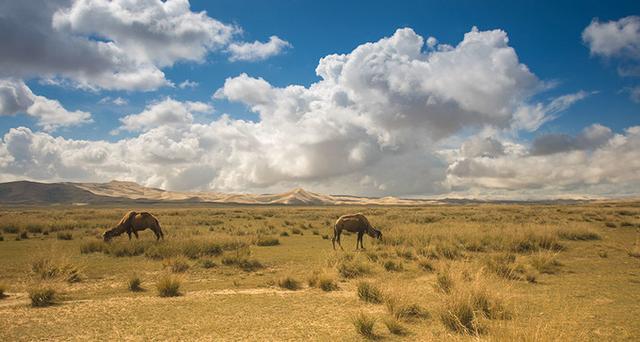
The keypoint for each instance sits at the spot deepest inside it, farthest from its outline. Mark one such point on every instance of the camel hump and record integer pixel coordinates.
(127, 217)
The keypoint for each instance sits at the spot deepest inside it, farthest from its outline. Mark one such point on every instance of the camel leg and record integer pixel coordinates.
(362, 241)
(129, 233)
(135, 232)
(359, 240)
(338, 239)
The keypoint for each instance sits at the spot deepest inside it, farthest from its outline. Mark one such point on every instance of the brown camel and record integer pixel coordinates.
(355, 223)
(133, 222)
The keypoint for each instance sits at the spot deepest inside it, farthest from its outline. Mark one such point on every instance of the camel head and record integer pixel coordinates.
(108, 235)
(376, 234)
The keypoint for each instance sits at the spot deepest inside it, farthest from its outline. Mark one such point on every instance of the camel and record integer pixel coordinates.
(133, 222)
(355, 223)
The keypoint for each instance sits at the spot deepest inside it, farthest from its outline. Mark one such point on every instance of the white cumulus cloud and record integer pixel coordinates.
(257, 51)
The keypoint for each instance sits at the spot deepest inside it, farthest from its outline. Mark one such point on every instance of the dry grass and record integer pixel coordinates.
(42, 296)
(457, 261)
(364, 325)
(134, 283)
(289, 283)
(168, 286)
(370, 293)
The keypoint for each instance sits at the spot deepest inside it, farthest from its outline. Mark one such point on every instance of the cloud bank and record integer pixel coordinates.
(379, 121)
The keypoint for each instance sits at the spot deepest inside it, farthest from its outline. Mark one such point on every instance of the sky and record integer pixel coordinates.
(521, 100)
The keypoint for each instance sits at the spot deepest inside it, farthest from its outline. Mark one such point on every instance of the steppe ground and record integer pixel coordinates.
(488, 272)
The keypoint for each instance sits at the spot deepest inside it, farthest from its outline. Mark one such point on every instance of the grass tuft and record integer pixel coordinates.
(64, 236)
(134, 283)
(395, 327)
(42, 296)
(168, 286)
(267, 241)
(289, 283)
(364, 325)
(370, 293)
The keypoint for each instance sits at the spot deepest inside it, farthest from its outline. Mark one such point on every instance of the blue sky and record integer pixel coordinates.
(547, 38)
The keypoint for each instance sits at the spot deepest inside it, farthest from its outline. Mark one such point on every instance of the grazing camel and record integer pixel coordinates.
(133, 222)
(355, 223)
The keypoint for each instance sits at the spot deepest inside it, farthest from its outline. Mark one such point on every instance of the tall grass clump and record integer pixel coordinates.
(134, 283)
(535, 241)
(505, 266)
(464, 311)
(370, 293)
(64, 236)
(322, 281)
(46, 268)
(352, 267)
(393, 266)
(42, 296)
(364, 325)
(395, 327)
(289, 283)
(267, 241)
(546, 262)
(444, 281)
(401, 309)
(168, 286)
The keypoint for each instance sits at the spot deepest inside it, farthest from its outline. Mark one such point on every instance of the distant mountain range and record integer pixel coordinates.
(115, 192)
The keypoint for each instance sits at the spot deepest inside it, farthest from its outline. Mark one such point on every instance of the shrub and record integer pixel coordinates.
(364, 325)
(23, 236)
(289, 283)
(284, 234)
(3, 289)
(393, 266)
(395, 327)
(267, 241)
(296, 231)
(176, 265)
(64, 236)
(325, 237)
(1, 238)
(370, 293)
(315, 232)
(578, 234)
(42, 296)
(444, 282)
(406, 311)
(134, 283)
(610, 225)
(603, 254)
(635, 252)
(168, 286)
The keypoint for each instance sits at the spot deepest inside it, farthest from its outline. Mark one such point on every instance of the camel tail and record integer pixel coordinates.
(159, 229)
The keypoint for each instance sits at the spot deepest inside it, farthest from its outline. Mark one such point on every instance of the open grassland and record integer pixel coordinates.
(489, 272)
